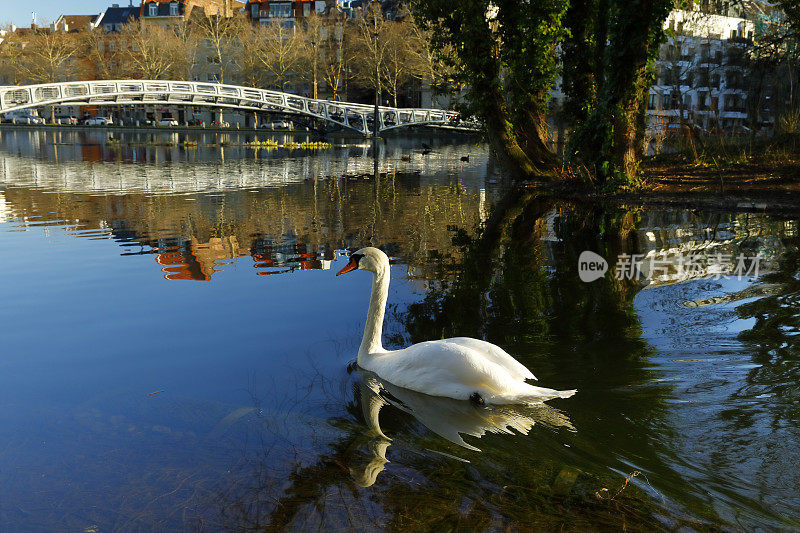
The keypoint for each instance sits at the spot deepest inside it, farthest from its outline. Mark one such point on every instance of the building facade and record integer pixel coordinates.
(700, 72)
(170, 12)
(285, 12)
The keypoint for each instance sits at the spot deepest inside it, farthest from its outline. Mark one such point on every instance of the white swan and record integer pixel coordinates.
(459, 368)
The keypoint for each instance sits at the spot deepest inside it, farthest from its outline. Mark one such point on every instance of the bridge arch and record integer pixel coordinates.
(356, 117)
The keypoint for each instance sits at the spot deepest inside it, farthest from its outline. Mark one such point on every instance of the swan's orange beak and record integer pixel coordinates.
(350, 266)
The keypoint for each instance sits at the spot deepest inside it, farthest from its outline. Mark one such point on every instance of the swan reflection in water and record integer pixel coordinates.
(446, 417)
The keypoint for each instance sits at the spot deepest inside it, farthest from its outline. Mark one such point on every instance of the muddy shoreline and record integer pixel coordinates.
(761, 185)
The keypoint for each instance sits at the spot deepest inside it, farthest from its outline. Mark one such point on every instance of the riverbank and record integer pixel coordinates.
(754, 176)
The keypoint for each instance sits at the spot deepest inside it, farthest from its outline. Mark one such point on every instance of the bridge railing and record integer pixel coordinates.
(110, 92)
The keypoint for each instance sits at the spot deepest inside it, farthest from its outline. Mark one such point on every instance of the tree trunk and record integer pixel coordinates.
(631, 35)
(624, 126)
(506, 147)
(534, 137)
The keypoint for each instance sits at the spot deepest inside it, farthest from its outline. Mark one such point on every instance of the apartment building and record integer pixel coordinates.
(287, 13)
(701, 70)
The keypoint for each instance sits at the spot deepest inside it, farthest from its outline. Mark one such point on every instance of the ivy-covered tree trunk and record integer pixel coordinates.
(580, 60)
(625, 38)
(635, 30)
(504, 53)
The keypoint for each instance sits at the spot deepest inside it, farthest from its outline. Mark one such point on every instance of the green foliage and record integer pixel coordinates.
(619, 49)
(503, 54)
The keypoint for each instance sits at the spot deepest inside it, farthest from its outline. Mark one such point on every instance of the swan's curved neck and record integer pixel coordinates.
(373, 329)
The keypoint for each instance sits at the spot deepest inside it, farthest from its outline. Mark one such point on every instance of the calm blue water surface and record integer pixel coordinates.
(175, 346)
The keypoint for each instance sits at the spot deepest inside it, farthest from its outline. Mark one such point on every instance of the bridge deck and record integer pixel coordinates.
(358, 117)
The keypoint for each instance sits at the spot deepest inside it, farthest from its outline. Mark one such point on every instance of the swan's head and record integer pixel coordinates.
(369, 258)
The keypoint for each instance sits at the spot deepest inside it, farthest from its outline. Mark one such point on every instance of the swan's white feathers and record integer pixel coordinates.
(496, 355)
(455, 368)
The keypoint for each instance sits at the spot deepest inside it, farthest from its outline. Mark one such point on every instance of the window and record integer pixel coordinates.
(152, 10)
(173, 9)
(108, 27)
(307, 9)
(112, 46)
(254, 11)
(280, 10)
(733, 34)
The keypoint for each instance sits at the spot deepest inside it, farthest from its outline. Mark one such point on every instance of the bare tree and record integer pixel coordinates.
(187, 41)
(104, 51)
(334, 58)
(399, 59)
(251, 69)
(370, 47)
(152, 51)
(276, 49)
(10, 52)
(220, 40)
(313, 44)
(49, 57)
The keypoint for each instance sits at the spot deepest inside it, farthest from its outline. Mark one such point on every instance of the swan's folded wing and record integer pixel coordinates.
(496, 355)
(440, 368)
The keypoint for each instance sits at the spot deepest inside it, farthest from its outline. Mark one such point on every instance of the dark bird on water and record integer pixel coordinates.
(465, 158)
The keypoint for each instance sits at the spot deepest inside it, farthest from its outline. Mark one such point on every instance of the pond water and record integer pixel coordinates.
(175, 345)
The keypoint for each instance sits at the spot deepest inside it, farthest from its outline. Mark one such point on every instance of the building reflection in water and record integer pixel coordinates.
(198, 261)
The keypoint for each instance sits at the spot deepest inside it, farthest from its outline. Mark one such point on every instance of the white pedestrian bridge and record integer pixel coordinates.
(358, 117)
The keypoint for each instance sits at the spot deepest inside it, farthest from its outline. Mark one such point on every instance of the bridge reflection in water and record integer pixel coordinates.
(284, 211)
